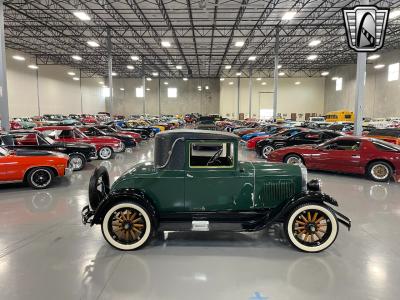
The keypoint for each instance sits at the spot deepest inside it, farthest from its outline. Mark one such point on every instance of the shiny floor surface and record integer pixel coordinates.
(46, 252)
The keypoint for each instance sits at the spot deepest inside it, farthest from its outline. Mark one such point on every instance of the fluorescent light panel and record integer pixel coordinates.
(76, 57)
(166, 44)
(81, 15)
(19, 57)
(314, 43)
(288, 15)
(93, 44)
(33, 67)
(239, 44)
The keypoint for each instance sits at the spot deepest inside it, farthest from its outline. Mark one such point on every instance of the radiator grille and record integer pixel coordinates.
(278, 190)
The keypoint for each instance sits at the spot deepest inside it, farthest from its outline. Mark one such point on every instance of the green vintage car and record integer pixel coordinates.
(196, 182)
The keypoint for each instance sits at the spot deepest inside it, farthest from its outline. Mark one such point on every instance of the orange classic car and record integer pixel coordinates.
(37, 168)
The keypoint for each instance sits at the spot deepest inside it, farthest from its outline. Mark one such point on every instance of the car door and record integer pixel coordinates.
(341, 155)
(216, 186)
(3, 164)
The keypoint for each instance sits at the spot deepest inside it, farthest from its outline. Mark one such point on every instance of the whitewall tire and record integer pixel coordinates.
(105, 153)
(311, 227)
(127, 226)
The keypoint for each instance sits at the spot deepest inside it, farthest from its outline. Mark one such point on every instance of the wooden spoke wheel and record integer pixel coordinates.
(312, 227)
(127, 226)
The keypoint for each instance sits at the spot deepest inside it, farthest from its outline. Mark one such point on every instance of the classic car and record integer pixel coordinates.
(391, 135)
(37, 168)
(88, 119)
(264, 147)
(266, 130)
(105, 145)
(108, 129)
(197, 183)
(59, 120)
(375, 158)
(26, 123)
(79, 153)
(127, 141)
(15, 125)
(141, 124)
(121, 126)
(251, 144)
(206, 123)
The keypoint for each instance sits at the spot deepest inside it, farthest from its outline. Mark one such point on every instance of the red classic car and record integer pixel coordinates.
(37, 168)
(88, 119)
(15, 125)
(375, 158)
(105, 145)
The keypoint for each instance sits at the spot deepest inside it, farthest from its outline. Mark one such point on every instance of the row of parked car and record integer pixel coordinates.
(375, 154)
(37, 155)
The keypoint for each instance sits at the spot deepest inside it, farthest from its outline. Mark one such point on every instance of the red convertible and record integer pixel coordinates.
(377, 159)
(105, 145)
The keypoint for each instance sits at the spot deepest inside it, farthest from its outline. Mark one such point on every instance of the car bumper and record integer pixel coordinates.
(68, 172)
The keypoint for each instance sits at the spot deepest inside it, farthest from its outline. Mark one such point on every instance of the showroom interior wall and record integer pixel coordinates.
(306, 97)
(381, 96)
(188, 99)
(53, 89)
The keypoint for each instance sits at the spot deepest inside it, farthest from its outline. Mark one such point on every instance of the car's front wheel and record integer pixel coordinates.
(40, 178)
(77, 162)
(127, 226)
(293, 159)
(266, 150)
(311, 227)
(105, 153)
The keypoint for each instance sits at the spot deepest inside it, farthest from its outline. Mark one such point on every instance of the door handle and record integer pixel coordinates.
(190, 176)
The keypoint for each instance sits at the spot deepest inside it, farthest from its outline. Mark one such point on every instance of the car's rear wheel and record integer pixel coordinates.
(77, 162)
(40, 178)
(122, 148)
(293, 159)
(311, 227)
(380, 171)
(266, 150)
(105, 153)
(127, 226)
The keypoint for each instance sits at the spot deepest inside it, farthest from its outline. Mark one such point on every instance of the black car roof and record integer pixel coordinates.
(196, 134)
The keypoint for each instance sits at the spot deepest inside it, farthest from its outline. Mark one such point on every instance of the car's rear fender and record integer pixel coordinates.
(122, 195)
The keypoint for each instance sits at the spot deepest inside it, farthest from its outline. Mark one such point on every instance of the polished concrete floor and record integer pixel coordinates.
(46, 252)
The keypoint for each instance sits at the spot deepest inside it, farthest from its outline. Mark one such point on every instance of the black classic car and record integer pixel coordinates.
(127, 141)
(121, 126)
(79, 153)
(197, 183)
(264, 147)
(206, 123)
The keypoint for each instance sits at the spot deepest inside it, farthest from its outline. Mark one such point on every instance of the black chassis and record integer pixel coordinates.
(283, 141)
(88, 151)
(243, 221)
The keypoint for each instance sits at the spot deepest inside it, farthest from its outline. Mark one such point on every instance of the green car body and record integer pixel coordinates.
(196, 177)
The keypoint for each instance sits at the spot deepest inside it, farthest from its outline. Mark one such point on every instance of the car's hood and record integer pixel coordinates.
(138, 170)
(272, 169)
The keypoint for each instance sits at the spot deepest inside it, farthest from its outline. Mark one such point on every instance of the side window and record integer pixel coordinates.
(299, 136)
(26, 140)
(351, 145)
(66, 134)
(211, 155)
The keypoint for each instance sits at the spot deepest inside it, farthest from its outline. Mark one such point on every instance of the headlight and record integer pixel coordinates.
(303, 177)
(314, 185)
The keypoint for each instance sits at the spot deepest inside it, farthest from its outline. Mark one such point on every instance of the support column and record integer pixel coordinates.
(4, 113)
(37, 88)
(276, 70)
(110, 80)
(238, 97)
(144, 87)
(250, 90)
(80, 89)
(159, 96)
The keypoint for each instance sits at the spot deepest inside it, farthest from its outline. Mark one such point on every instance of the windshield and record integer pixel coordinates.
(108, 129)
(3, 152)
(79, 134)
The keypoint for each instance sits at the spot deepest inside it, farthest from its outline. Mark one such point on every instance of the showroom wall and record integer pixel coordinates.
(305, 97)
(381, 96)
(50, 88)
(188, 98)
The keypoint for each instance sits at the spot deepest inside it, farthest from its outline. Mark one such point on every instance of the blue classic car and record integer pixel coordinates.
(268, 130)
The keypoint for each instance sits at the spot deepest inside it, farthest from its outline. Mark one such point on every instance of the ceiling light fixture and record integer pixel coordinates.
(297, 82)
(114, 74)
(148, 79)
(239, 44)
(81, 15)
(93, 44)
(166, 44)
(325, 73)
(335, 78)
(33, 67)
(281, 73)
(314, 43)
(135, 57)
(312, 57)
(259, 78)
(76, 57)
(101, 82)
(288, 15)
(165, 82)
(263, 83)
(221, 79)
(75, 78)
(207, 87)
(122, 89)
(231, 83)
(185, 79)
(71, 73)
(238, 73)
(379, 66)
(228, 67)
(155, 74)
(18, 57)
(178, 67)
(279, 66)
(252, 58)
(147, 89)
(373, 56)
(130, 67)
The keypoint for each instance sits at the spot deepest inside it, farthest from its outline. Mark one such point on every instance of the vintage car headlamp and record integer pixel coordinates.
(314, 185)
(303, 177)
